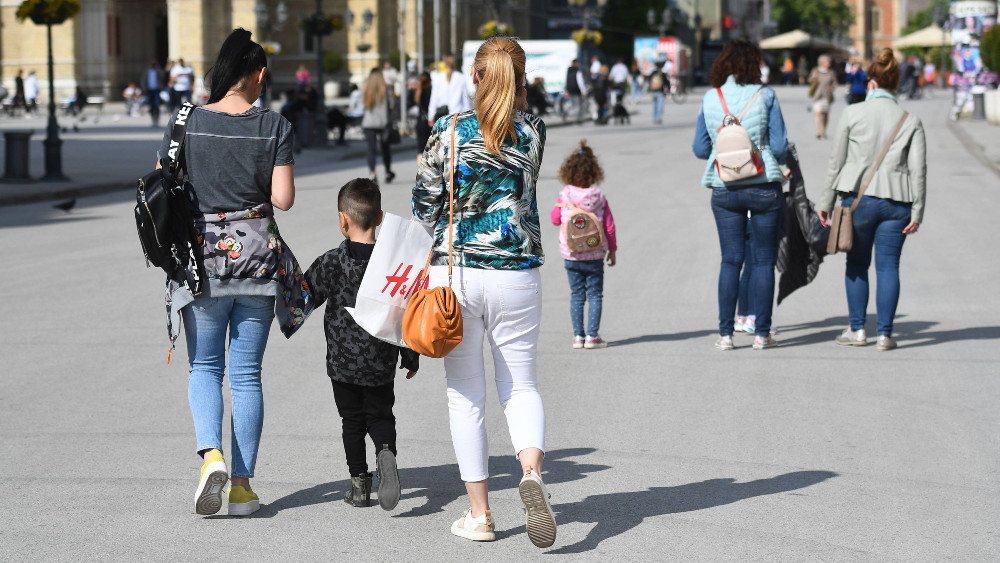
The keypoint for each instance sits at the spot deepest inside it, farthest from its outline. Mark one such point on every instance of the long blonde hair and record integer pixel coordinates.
(499, 67)
(373, 90)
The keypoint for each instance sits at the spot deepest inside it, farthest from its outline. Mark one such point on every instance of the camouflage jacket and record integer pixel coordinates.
(352, 355)
(245, 255)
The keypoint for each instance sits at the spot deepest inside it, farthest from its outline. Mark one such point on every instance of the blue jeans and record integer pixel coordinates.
(745, 304)
(878, 223)
(658, 106)
(586, 282)
(730, 207)
(206, 322)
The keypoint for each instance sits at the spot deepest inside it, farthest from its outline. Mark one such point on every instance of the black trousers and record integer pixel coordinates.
(365, 410)
(376, 138)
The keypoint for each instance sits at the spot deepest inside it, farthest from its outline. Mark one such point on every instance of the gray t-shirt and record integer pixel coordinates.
(230, 157)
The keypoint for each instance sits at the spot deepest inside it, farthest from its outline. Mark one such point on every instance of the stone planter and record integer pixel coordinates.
(331, 90)
(992, 101)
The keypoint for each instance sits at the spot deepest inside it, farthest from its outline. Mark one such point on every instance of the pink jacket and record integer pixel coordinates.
(589, 199)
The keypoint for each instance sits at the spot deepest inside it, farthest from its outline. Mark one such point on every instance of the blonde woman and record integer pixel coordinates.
(378, 105)
(826, 83)
(448, 91)
(497, 250)
(892, 207)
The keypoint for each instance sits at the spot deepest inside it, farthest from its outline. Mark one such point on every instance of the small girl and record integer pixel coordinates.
(585, 270)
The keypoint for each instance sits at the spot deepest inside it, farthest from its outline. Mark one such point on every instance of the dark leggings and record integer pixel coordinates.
(365, 410)
(374, 138)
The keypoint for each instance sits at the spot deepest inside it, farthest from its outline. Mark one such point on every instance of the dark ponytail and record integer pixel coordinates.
(238, 58)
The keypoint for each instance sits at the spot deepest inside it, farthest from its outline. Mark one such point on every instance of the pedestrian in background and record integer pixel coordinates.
(302, 78)
(449, 93)
(735, 78)
(600, 91)
(576, 88)
(635, 87)
(581, 172)
(152, 83)
(659, 84)
(618, 78)
(378, 108)
(496, 278)
(182, 79)
(857, 81)
(238, 168)
(892, 206)
(19, 89)
(823, 83)
(31, 92)
(423, 100)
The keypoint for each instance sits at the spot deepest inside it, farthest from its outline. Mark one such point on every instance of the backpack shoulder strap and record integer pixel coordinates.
(722, 99)
(749, 104)
(178, 131)
(878, 161)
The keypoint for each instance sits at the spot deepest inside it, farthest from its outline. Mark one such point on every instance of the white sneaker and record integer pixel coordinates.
(578, 342)
(475, 529)
(763, 342)
(852, 338)
(724, 343)
(739, 324)
(540, 522)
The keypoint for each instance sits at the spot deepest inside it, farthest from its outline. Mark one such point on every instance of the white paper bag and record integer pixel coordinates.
(398, 259)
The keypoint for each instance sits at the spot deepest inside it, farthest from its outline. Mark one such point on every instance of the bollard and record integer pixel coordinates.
(16, 153)
(304, 129)
(978, 107)
(319, 128)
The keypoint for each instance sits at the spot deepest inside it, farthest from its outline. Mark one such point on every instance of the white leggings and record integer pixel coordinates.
(506, 307)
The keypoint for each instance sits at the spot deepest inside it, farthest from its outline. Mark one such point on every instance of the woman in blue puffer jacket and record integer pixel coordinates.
(735, 78)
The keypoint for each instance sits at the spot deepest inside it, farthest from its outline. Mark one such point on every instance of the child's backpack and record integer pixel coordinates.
(582, 231)
(736, 155)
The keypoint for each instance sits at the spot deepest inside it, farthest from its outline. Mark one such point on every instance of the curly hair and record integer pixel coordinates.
(581, 168)
(739, 58)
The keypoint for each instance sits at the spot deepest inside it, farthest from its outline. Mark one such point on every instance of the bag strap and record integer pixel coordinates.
(878, 161)
(178, 132)
(451, 211)
(725, 107)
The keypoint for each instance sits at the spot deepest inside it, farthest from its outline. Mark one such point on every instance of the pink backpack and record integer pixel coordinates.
(582, 231)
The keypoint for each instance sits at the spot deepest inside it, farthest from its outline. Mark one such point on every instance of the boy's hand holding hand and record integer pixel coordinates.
(611, 258)
(409, 374)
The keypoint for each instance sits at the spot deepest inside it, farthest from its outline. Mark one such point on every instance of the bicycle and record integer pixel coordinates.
(678, 90)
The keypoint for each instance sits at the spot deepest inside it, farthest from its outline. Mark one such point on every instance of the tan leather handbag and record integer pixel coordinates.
(432, 322)
(842, 222)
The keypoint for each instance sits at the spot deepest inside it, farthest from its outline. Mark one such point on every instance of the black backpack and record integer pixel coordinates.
(163, 217)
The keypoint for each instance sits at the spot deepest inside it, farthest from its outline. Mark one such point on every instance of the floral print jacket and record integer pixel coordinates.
(496, 225)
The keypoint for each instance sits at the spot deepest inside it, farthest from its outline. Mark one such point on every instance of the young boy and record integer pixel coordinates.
(360, 366)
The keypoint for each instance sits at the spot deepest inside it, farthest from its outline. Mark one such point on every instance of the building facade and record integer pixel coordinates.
(112, 42)
(886, 20)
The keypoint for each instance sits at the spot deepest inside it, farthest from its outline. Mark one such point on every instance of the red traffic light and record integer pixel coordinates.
(727, 22)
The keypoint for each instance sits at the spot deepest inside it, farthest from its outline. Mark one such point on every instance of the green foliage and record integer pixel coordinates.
(989, 48)
(48, 12)
(333, 61)
(819, 17)
(394, 58)
(934, 56)
(923, 18)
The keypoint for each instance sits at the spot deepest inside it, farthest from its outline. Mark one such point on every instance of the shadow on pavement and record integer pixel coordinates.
(441, 485)
(616, 513)
(662, 337)
(917, 331)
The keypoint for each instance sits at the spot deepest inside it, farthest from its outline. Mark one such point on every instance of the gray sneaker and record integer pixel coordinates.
(852, 338)
(724, 343)
(885, 343)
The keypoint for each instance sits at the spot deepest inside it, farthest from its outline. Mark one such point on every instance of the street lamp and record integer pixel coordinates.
(941, 18)
(666, 18)
(264, 20)
(583, 10)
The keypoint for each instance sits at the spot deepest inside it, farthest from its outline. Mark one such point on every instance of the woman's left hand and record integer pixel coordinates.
(911, 228)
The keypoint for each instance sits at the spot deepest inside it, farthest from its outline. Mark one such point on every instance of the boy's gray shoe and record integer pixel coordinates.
(388, 479)
(852, 338)
(885, 343)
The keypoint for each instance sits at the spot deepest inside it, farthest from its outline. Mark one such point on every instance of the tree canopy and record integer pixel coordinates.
(819, 17)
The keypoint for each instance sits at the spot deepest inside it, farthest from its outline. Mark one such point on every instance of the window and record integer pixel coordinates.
(306, 42)
(876, 20)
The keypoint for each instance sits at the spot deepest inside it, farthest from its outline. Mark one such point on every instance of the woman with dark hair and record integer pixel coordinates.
(737, 91)
(237, 168)
(892, 206)
(423, 98)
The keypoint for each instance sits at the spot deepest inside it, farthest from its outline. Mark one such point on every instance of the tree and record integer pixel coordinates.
(819, 17)
(989, 48)
(924, 18)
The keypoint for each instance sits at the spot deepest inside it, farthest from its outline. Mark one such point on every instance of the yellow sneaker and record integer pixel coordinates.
(242, 502)
(208, 497)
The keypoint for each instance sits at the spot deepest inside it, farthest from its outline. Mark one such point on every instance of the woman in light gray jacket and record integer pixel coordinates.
(377, 98)
(892, 206)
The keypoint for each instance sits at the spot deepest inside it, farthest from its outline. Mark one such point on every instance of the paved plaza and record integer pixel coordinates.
(660, 447)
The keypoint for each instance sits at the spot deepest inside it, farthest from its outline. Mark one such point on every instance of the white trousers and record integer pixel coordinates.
(504, 306)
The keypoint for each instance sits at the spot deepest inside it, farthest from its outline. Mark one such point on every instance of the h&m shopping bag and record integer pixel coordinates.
(391, 278)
